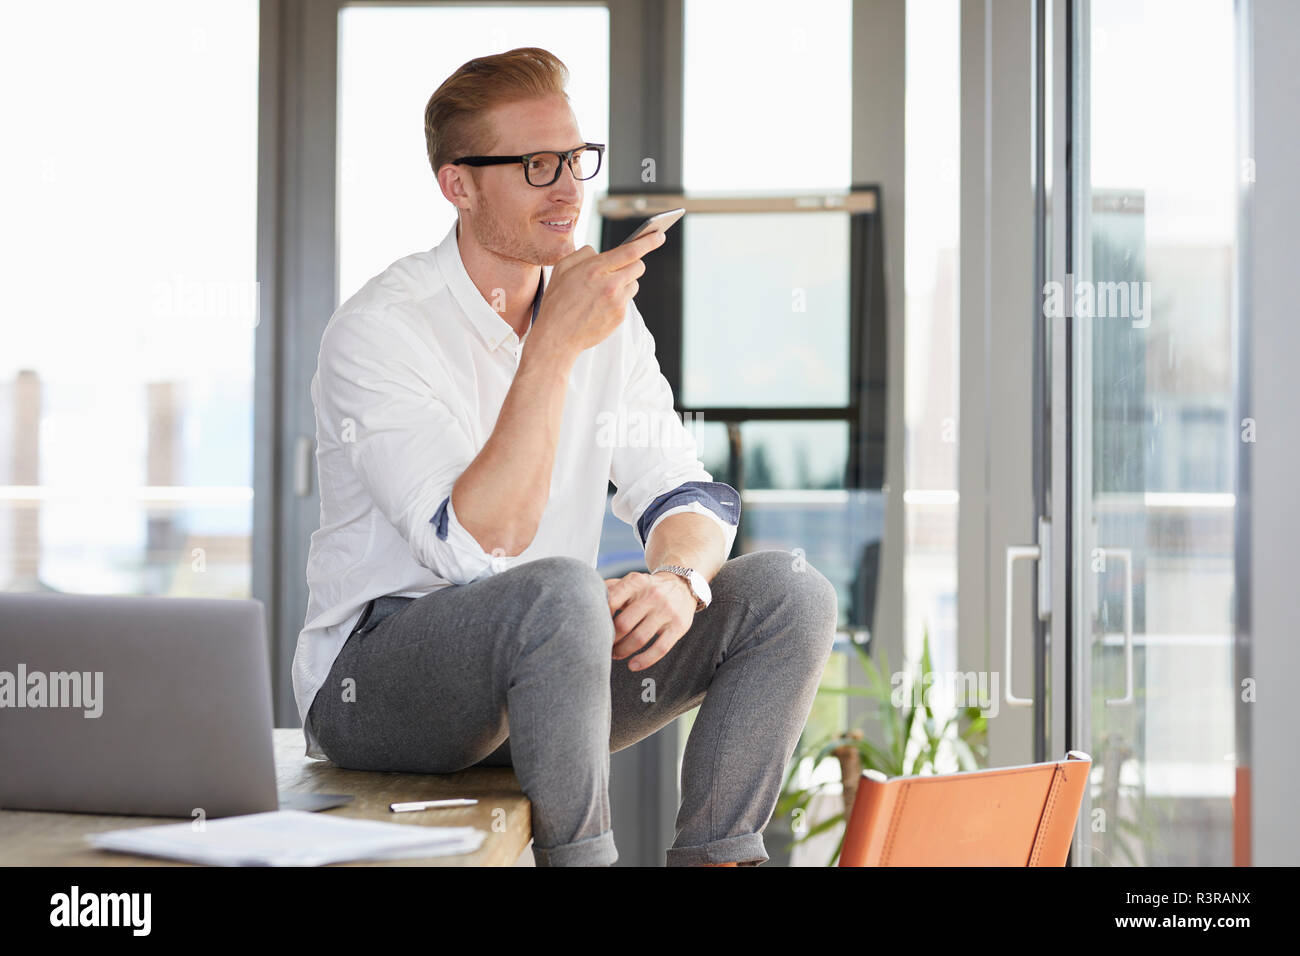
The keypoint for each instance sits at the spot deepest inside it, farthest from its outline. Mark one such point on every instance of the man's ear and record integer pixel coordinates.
(456, 185)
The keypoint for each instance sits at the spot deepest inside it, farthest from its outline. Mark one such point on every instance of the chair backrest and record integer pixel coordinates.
(1008, 816)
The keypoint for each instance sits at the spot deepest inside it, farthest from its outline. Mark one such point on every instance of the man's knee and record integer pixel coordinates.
(568, 593)
(569, 577)
(778, 570)
(786, 579)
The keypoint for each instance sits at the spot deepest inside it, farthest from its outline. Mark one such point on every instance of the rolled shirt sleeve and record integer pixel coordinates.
(404, 442)
(655, 464)
(713, 499)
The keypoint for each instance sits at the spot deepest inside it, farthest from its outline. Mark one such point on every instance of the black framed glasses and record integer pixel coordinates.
(541, 168)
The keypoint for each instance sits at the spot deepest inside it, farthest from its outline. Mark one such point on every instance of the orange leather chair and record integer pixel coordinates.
(1008, 816)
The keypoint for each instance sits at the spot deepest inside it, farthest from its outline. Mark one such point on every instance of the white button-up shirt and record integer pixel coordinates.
(411, 375)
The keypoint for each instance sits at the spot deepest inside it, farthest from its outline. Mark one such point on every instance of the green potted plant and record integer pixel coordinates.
(916, 740)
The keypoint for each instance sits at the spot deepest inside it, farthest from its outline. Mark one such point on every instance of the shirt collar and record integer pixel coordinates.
(494, 330)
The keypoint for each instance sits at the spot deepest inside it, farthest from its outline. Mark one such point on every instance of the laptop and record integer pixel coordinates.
(136, 705)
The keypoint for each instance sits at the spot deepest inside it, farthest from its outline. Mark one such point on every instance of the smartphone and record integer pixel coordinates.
(656, 223)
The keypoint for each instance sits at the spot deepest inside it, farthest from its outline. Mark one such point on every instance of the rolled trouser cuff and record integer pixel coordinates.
(593, 851)
(744, 850)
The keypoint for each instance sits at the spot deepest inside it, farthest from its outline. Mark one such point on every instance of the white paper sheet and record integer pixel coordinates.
(289, 838)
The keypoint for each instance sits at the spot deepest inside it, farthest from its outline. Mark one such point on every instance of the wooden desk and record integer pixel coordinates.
(30, 838)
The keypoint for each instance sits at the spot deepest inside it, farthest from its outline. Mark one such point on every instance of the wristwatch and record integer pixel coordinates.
(699, 587)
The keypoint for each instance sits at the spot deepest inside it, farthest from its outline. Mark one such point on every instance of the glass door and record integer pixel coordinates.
(1154, 430)
(128, 254)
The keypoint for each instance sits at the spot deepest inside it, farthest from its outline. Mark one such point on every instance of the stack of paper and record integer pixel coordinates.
(289, 838)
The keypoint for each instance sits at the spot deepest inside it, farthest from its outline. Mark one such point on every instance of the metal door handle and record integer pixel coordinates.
(1125, 555)
(1015, 553)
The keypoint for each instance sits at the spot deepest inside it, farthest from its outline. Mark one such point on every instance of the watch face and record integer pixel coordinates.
(701, 588)
(695, 581)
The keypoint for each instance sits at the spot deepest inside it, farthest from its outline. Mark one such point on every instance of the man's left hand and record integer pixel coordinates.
(644, 605)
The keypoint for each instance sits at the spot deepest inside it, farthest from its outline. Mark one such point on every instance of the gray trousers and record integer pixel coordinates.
(516, 669)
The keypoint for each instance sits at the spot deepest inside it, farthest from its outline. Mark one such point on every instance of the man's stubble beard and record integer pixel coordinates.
(494, 234)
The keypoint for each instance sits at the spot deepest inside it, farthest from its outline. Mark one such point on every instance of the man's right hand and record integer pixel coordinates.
(588, 292)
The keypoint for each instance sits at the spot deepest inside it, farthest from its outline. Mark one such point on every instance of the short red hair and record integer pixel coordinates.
(455, 119)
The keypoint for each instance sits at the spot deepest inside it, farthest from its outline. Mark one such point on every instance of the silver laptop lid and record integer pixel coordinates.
(137, 705)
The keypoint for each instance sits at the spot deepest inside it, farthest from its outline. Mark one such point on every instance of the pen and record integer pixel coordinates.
(427, 804)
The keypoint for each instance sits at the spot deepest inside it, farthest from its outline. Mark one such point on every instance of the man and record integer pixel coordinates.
(456, 616)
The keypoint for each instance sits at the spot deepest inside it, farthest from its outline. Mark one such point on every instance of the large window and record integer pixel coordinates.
(127, 246)
(768, 96)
